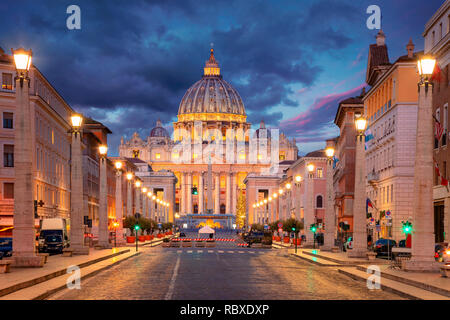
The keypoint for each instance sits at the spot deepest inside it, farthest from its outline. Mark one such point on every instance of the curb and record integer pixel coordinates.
(315, 262)
(414, 283)
(45, 295)
(383, 287)
(32, 282)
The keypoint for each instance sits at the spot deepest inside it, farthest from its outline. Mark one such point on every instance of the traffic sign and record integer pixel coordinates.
(388, 213)
(266, 227)
(280, 230)
(280, 225)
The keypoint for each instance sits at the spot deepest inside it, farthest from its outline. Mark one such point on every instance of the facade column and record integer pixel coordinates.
(119, 208)
(24, 233)
(309, 209)
(422, 247)
(137, 201)
(201, 191)
(234, 188)
(189, 193)
(103, 236)
(129, 198)
(228, 201)
(183, 196)
(217, 194)
(330, 220)
(359, 203)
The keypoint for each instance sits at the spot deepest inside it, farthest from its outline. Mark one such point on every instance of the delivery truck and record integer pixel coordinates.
(53, 237)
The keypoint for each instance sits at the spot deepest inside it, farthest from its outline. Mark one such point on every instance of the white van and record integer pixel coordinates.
(53, 237)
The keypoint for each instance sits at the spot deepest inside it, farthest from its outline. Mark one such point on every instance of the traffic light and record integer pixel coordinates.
(194, 190)
(407, 227)
(313, 228)
(293, 229)
(136, 227)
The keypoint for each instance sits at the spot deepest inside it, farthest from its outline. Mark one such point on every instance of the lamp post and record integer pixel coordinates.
(422, 248)
(309, 205)
(137, 200)
(115, 225)
(149, 204)
(329, 209)
(144, 202)
(359, 203)
(77, 242)
(24, 231)
(119, 203)
(289, 200)
(103, 239)
(298, 180)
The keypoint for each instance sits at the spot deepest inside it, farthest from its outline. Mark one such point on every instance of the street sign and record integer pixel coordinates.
(280, 230)
(266, 227)
(280, 225)
(388, 213)
(159, 225)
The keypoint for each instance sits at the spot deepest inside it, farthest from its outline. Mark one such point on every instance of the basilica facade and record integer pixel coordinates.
(211, 128)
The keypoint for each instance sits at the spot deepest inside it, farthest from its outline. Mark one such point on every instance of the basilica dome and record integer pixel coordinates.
(159, 131)
(211, 98)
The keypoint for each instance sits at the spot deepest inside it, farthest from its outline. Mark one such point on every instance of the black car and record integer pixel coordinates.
(182, 235)
(53, 244)
(383, 247)
(253, 237)
(6, 247)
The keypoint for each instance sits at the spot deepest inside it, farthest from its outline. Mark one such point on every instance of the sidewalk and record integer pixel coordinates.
(338, 258)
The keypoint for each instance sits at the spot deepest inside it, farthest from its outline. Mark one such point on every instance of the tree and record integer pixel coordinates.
(274, 225)
(241, 210)
(292, 223)
(129, 222)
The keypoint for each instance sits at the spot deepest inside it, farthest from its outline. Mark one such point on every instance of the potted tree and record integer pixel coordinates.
(141, 222)
(129, 223)
(146, 226)
(292, 225)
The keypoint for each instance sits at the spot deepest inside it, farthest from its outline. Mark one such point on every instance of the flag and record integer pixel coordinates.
(335, 161)
(368, 204)
(369, 137)
(437, 74)
(438, 130)
(443, 180)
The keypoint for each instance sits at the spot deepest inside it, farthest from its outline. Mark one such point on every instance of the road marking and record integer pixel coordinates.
(241, 251)
(220, 251)
(179, 251)
(230, 251)
(251, 251)
(210, 251)
(199, 251)
(189, 251)
(172, 281)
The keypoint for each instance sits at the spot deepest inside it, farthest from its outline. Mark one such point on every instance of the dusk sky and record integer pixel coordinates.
(132, 61)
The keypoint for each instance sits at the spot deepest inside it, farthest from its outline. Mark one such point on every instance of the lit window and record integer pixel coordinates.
(158, 156)
(242, 156)
(195, 156)
(282, 156)
(319, 173)
(7, 81)
(259, 156)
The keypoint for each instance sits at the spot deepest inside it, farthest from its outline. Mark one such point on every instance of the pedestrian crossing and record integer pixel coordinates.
(224, 252)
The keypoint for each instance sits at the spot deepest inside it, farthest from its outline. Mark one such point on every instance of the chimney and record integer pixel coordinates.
(381, 38)
(410, 48)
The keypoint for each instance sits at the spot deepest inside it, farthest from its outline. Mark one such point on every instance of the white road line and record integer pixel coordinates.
(179, 251)
(220, 251)
(251, 251)
(241, 251)
(210, 251)
(199, 251)
(172, 281)
(189, 251)
(230, 251)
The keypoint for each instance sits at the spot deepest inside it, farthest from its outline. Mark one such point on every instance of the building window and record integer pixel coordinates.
(8, 155)
(8, 190)
(222, 209)
(135, 153)
(282, 156)
(392, 193)
(319, 202)
(158, 156)
(7, 81)
(7, 120)
(319, 173)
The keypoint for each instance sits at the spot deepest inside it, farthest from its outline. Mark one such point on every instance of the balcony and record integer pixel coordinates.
(373, 177)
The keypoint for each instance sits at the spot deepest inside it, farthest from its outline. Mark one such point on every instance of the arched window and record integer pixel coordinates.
(196, 208)
(135, 153)
(222, 208)
(319, 202)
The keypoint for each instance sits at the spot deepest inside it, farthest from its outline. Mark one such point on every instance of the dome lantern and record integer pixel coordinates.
(211, 68)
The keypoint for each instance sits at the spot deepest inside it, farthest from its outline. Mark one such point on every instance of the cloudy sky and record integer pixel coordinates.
(132, 61)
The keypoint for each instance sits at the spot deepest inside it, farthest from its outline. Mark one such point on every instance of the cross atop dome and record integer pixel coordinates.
(211, 66)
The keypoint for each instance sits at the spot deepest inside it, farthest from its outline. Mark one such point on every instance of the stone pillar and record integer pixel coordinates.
(24, 232)
(189, 193)
(447, 219)
(201, 191)
(103, 235)
(359, 203)
(330, 226)
(422, 247)
(309, 209)
(228, 202)
(137, 200)
(119, 208)
(129, 198)
(217, 194)
(76, 221)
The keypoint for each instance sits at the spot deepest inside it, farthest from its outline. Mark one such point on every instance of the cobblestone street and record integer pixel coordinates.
(221, 273)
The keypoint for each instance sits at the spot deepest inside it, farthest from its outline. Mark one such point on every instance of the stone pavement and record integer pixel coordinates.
(56, 267)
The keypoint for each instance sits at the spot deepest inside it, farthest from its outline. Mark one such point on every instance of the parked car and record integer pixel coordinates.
(6, 247)
(182, 235)
(441, 252)
(383, 247)
(253, 237)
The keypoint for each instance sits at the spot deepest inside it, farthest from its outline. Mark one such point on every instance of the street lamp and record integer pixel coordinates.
(129, 176)
(310, 168)
(118, 165)
(115, 226)
(76, 120)
(423, 218)
(24, 235)
(119, 202)
(298, 178)
(288, 186)
(330, 220)
(103, 239)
